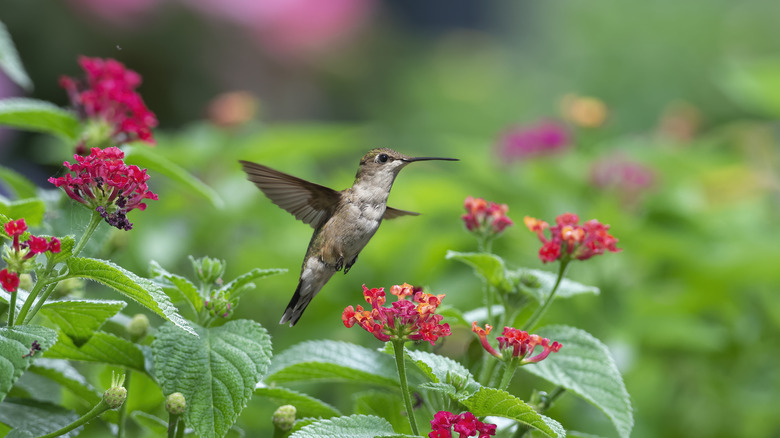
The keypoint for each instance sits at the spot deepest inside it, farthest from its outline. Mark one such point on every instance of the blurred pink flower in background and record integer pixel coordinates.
(542, 138)
(629, 178)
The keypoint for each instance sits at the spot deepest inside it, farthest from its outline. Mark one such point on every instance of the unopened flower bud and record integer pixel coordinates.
(138, 327)
(284, 417)
(116, 395)
(209, 270)
(175, 403)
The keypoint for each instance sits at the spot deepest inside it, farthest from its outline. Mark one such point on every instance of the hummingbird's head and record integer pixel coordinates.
(385, 161)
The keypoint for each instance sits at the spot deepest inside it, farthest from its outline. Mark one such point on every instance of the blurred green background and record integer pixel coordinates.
(671, 114)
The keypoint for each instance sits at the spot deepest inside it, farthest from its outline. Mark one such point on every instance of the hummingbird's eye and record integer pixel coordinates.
(382, 158)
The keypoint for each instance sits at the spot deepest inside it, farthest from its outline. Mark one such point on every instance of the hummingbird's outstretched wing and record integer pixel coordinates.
(392, 213)
(308, 202)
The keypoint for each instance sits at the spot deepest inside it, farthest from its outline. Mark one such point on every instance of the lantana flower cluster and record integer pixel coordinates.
(485, 218)
(403, 320)
(444, 423)
(20, 254)
(516, 343)
(104, 183)
(107, 100)
(568, 240)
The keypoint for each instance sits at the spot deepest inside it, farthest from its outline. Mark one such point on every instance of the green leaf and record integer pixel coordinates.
(546, 282)
(101, 347)
(354, 426)
(39, 116)
(246, 279)
(217, 372)
(306, 405)
(15, 343)
(10, 62)
(488, 266)
(383, 404)
(22, 187)
(156, 425)
(332, 361)
(66, 249)
(142, 290)
(585, 367)
(144, 156)
(184, 286)
(79, 319)
(36, 418)
(61, 372)
(440, 369)
(31, 209)
(495, 402)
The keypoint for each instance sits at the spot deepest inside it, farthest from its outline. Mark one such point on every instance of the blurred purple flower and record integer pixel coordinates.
(542, 138)
(629, 178)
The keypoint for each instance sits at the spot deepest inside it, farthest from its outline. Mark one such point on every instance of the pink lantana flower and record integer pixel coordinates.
(569, 240)
(516, 343)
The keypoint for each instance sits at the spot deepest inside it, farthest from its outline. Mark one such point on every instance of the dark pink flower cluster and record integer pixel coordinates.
(108, 95)
(543, 138)
(516, 343)
(569, 240)
(485, 218)
(404, 320)
(444, 423)
(19, 253)
(103, 182)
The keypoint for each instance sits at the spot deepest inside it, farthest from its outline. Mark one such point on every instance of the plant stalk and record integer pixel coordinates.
(537, 315)
(94, 221)
(94, 412)
(398, 349)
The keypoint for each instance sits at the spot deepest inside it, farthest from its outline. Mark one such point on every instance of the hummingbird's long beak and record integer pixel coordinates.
(413, 159)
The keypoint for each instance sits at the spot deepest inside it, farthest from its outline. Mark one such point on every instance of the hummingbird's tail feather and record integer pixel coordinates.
(296, 306)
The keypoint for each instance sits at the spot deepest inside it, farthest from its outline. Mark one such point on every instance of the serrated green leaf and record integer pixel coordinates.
(332, 361)
(22, 187)
(247, 278)
(141, 290)
(101, 347)
(585, 367)
(440, 369)
(383, 404)
(10, 62)
(216, 372)
(31, 209)
(184, 286)
(567, 288)
(79, 319)
(354, 426)
(39, 116)
(61, 372)
(15, 344)
(143, 156)
(498, 403)
(488, 266)
(36, 418)
(306, 405)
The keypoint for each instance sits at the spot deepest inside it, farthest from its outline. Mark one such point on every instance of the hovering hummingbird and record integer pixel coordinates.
(343, 221)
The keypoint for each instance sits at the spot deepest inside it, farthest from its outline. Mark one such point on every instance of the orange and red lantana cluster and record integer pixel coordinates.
(485, 217)
(516, 343)
(568, 240)
(404, 320)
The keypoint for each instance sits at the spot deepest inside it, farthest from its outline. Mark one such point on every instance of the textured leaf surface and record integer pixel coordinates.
(38, 115)
(384, 404)
(568, 288)
(10, 62)
(80, 318)
(332, 361)
(440, 369)
(217, 372)
(495, 402)
(101, 347)
(34, 418)
(585, 367)
(488, 266)
(184, 286)
(306, 405)
(61, 372)
(141, 290)
(145, 157)
(14, 344)
(19, 185)
(354, 426)
(31, 209)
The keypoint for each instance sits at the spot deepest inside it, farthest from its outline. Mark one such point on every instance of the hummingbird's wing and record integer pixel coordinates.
(392, 213)
(308, 202)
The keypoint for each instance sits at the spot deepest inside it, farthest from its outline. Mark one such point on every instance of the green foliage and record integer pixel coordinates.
(585, 366)
(37, 115)
(216, 371)
(80, 319)
(491, 401)
(65, 375)
(306, 405)
(31, 209)
(10, 63)
(17, 352)
(25, 415)
(101, 347)
(18, 184)
(354, 426)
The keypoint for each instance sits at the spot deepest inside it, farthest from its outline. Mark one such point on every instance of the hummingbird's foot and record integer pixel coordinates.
(340, 264)
(349, 265)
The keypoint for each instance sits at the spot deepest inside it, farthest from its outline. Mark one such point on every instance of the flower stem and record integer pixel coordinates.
(120, 433)
(537, 315)
(173, 420)
(11, 309)
(509, 371)
(38, 305)
(94, 221)
(94, 412)
(398, 349)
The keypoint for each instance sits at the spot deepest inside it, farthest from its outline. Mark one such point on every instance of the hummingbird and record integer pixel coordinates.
(343, 221)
